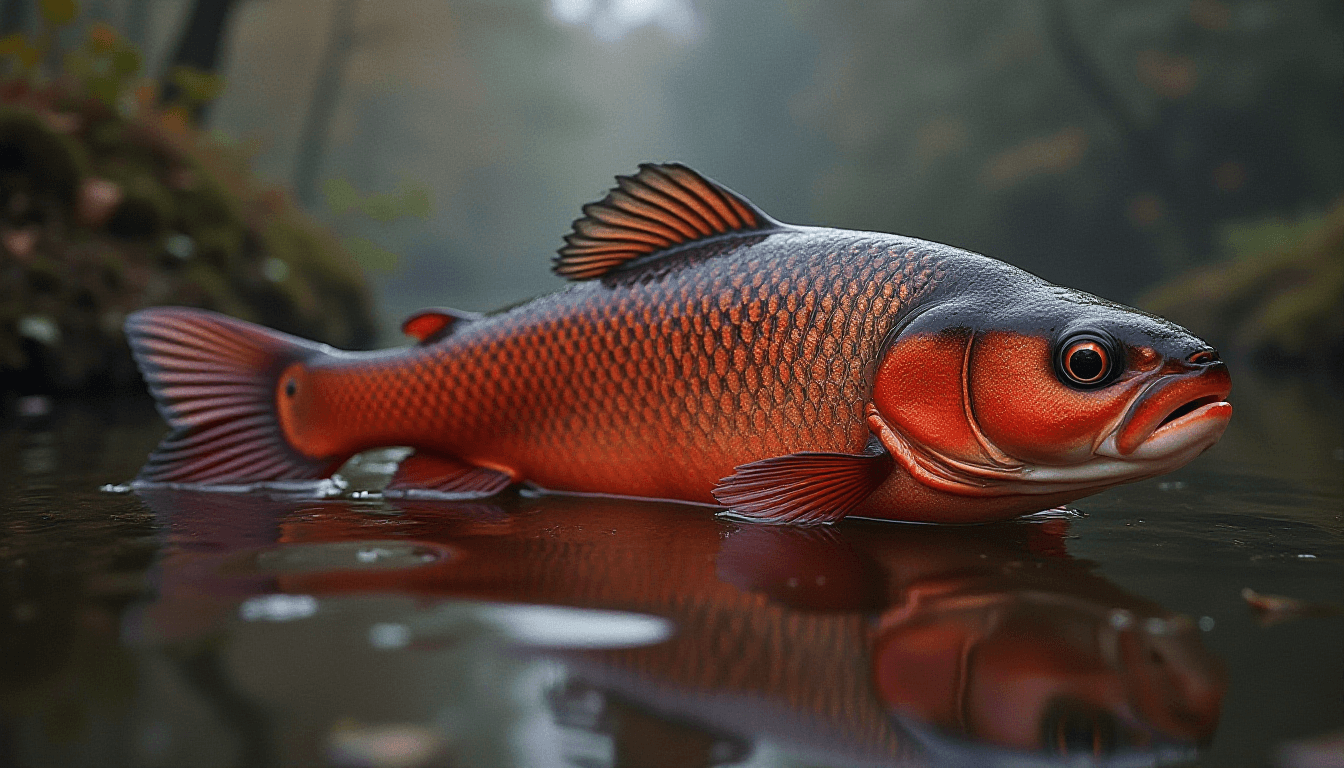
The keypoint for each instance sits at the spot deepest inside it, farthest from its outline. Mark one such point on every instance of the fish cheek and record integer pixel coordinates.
(919, 390)
(1024, 409)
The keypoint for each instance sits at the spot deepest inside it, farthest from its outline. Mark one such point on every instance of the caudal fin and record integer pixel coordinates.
(214, 379)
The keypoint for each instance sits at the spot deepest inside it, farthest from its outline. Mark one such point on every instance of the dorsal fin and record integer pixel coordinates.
(661, 207)
(434, 323)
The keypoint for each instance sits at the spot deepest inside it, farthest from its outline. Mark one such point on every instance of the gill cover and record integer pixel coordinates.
(980, 412)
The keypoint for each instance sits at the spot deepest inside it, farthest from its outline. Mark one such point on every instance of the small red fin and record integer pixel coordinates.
(660, 208)
(214, 379)
(446, 478)
(803, 488)
(429, 325)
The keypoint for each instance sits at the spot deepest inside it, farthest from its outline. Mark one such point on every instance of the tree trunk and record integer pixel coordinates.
(14, 15)
(136, 24)
(199, 45)
(326, 94)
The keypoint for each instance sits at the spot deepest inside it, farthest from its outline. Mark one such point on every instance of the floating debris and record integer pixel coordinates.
(1275, 609)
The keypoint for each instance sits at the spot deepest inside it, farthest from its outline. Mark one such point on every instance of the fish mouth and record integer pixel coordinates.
(1173, 418)
(1174, 414)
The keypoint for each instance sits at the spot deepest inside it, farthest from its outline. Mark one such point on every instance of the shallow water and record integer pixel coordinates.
(180, 628)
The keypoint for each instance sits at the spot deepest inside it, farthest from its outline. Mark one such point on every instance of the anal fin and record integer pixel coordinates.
(803, 488)
(427, 474)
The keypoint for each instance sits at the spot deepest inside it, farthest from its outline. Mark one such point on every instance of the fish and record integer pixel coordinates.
(864, 644)
(707, 353)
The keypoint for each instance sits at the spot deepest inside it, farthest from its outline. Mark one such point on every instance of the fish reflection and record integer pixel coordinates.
(858, 644)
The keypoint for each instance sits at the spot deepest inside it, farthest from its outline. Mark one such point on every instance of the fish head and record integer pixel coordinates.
(1053, 393)
(1050, 674)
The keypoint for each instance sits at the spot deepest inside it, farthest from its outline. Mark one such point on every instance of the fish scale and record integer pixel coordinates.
(708, 353)
(718, 375)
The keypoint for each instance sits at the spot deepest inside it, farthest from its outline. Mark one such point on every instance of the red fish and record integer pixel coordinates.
(708, 353)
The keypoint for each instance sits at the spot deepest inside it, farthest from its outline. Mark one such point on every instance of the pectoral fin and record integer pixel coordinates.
(443, 477)
(804, 488)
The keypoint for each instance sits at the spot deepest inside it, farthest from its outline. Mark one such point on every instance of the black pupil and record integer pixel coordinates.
(1086, 364)
(291, 388)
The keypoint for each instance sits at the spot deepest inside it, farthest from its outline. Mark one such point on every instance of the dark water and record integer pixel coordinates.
(177, 628)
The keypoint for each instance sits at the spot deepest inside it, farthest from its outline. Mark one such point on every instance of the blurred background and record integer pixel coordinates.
(328, 166)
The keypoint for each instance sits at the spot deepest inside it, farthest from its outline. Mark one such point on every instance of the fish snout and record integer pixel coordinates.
(1180, 406)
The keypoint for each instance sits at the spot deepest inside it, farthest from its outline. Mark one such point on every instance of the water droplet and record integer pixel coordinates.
(33, 406)
(40, 328)
(372, 555)
(278, 608)
(180, 245)
(1157, 627)
(1206, 623)
(1306, 557)
(389, 636)
(275, 270)
(1121, 619)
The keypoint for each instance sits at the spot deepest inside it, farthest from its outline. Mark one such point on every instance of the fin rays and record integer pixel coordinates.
(660, 208)
(803, 488)
(214, 380)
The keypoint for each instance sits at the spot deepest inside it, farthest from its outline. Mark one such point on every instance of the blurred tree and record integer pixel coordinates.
(314, 135)
(13, 16)
(1101, 145)
(135, 22)
(198, 51)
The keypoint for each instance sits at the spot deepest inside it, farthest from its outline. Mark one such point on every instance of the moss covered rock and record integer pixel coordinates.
(107, 210)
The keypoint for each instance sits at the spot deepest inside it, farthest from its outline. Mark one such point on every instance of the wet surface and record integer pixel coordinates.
(182, 628)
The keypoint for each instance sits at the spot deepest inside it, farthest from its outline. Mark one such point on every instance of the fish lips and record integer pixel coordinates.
(1174, 413)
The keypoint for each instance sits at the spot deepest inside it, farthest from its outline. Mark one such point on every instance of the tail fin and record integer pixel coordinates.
(214, 379)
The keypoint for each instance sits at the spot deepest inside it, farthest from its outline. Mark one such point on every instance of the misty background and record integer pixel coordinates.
(1103, 146)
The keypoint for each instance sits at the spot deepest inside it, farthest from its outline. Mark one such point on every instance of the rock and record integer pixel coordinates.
(102, 214)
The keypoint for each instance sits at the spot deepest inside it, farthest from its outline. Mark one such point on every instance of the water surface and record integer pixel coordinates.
(183, 628)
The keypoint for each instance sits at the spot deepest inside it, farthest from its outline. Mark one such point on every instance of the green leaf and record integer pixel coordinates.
(341, 195)
(126, 62)
(58, 13)
(370, 255)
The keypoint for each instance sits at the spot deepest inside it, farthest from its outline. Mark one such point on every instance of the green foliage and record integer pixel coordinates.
(196, 87)
(1281, 293)
(409, 201)
(58, 13)
(106, 66)
(115, 201)
(370, 255)
(383, 208)
(1249, 239)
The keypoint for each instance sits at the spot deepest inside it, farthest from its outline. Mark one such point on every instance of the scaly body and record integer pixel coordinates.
(740, 353)
(714, 355)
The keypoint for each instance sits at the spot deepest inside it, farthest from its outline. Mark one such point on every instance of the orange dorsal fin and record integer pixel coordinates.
(432, 324)
(658, 209)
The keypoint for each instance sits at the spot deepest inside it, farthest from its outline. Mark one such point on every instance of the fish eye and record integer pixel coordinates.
(1087, 360)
